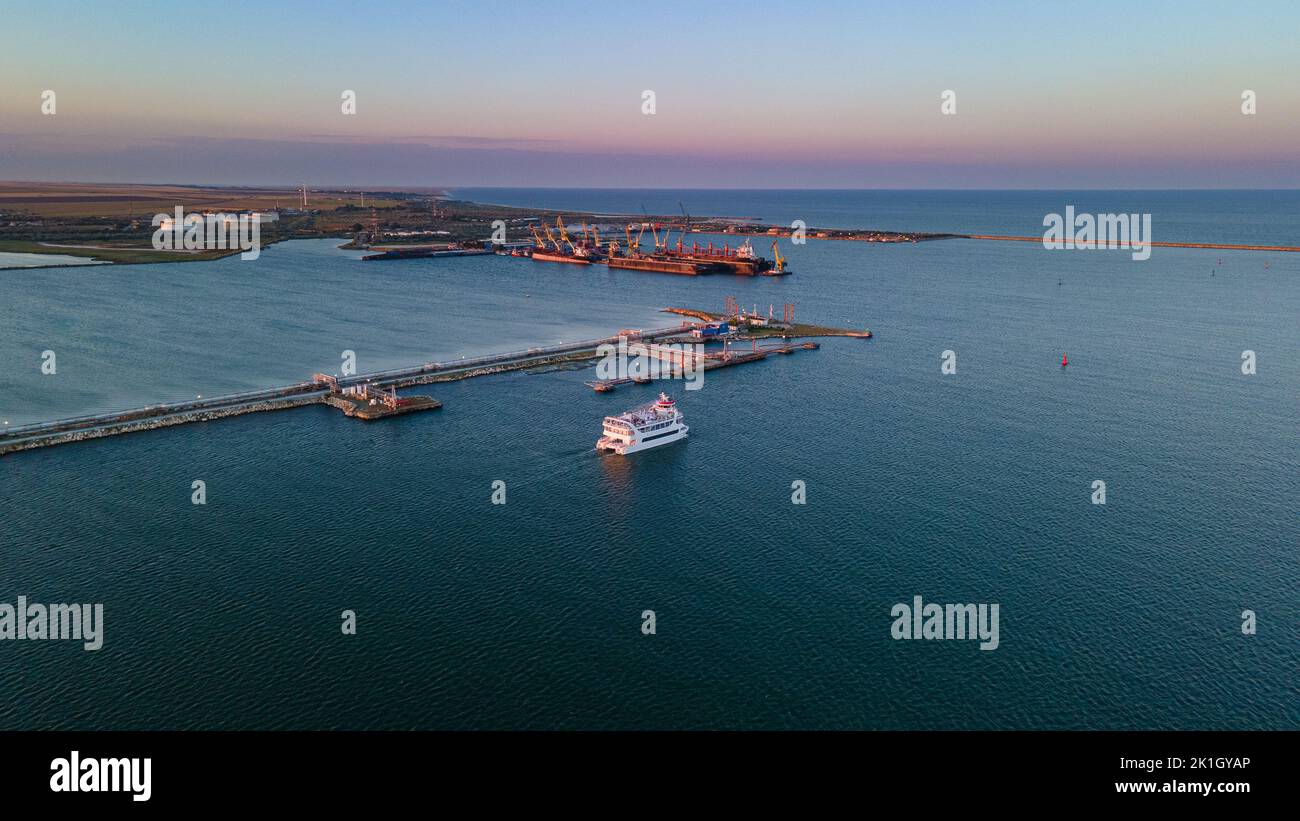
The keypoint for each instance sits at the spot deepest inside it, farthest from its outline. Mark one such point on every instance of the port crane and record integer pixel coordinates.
(661, 246)
(776, 253)
(686, 229)
(635, 247)
(564, 235)
(551, 237)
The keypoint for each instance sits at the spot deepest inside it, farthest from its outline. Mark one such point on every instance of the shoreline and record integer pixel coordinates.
(470, 223)
(350, 245)
(198, 256)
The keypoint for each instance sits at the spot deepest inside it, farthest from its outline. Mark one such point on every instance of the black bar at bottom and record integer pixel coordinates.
(331, 770)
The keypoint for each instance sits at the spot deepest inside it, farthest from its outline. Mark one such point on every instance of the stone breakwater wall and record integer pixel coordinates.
(428, 374)
(160, 422)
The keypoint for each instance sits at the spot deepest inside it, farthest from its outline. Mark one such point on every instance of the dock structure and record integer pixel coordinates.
(710, 361)
(676, 357)
(369, 401)
(423, 252)
(318, 390)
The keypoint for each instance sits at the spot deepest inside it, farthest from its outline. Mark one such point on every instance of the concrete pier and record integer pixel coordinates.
(316, 391)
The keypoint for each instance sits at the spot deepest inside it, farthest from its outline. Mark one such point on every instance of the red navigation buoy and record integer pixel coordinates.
(1064, 361)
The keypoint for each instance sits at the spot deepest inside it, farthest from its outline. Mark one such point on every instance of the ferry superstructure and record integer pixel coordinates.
(649, 426)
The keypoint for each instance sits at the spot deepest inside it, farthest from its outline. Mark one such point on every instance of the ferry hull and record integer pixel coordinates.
(606, 443)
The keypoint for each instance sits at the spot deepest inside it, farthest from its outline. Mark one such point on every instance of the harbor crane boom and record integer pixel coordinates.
(564, 235)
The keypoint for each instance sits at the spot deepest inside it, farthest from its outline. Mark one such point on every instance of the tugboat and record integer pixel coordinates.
(642, 428)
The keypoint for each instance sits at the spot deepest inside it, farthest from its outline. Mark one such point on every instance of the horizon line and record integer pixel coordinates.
(294, 186)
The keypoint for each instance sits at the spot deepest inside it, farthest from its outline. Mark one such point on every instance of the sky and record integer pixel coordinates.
(746, 94)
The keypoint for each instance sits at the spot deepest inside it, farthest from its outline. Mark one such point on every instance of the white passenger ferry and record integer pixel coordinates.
(642, 428)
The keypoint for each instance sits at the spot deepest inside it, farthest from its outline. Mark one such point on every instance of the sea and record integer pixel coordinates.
(949, 457)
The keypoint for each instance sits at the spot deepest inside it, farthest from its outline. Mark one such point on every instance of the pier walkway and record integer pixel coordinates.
(39, 434)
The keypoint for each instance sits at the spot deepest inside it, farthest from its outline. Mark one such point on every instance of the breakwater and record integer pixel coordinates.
(152, 423)
(316, 391)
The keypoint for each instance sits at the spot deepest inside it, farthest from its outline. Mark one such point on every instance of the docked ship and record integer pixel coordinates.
(663, 264)
(571, 257)
(648, 426)
(552, 248)
(741, 260)
(662, 260)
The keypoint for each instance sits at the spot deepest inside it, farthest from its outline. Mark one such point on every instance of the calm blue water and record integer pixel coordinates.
(965, 488)
(1240, 217)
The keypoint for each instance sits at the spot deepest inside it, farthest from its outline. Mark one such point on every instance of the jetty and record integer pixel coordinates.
(353, 395)
(755, 325)
(675, 362)
(423, 252)
(374, 396)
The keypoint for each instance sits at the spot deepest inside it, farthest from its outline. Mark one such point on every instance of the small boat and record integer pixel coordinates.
(1064, 360)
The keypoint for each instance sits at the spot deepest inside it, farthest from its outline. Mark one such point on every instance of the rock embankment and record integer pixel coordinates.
(158, 422)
